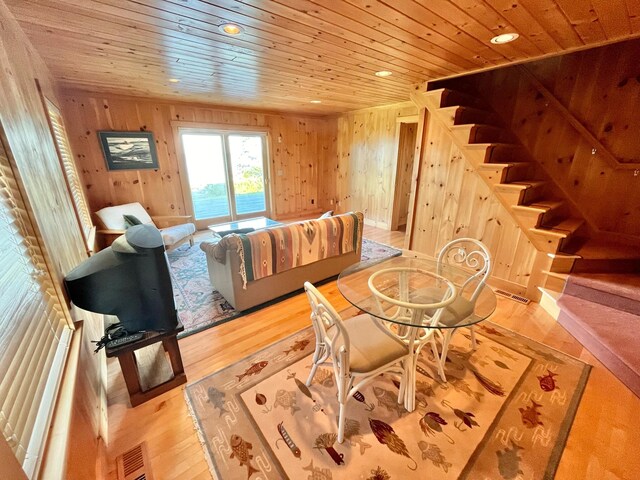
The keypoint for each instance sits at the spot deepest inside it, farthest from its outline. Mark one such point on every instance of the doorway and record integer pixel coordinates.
(404, 169)
(227, 174)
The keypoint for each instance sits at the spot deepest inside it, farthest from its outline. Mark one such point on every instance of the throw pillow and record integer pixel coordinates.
(327, 214)
(130, 221)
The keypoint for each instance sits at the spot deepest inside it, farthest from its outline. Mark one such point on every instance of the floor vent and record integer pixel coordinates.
(134, 464)
(513, 296)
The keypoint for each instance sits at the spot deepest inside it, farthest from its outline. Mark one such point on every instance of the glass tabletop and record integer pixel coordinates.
(255, 223)
(411, 291)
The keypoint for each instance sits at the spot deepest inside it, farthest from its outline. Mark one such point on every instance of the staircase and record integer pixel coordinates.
(552, 223)
(602, 311)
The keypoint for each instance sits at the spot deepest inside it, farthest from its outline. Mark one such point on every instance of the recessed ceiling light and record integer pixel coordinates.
(504, 38)
(383, 73)
(231, 29)
(315, 101)
(174, 80)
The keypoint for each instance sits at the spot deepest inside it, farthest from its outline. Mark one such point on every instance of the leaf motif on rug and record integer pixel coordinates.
(387, 436)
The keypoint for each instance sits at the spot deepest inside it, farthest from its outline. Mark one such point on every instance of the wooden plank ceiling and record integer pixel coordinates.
(295, 51)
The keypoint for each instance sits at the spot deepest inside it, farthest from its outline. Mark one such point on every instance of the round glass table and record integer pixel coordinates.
(418, 297)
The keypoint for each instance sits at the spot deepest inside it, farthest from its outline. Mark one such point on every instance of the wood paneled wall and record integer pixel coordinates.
(452, 201)
(601, 88)
(364, 161)
(31, 145)
(298, 148)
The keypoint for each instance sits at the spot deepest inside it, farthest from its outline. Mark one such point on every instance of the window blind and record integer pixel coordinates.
(34, 334)
(69, 168)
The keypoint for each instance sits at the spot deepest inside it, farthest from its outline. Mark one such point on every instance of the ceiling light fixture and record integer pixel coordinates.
(383, 73)
(231, 29)
(174, 80)
(504, 38)
(315, 101)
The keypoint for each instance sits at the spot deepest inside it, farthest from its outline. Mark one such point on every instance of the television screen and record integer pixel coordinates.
(129, 279)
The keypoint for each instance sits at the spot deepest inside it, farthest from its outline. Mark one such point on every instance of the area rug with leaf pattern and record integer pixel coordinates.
(504, 413)
(201, 306)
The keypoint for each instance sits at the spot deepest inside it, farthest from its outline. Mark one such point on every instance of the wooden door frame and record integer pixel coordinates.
(421, 139)
(177, 126)
(393, 220)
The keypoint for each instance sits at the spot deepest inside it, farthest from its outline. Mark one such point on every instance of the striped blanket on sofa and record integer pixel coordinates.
(273, 250)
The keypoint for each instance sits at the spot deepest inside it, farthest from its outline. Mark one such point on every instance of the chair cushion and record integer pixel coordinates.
(172, 235)
(372, 345)
(453, 313)
(113, 217)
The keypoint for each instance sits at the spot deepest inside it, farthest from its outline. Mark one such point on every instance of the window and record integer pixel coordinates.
(34, 333)
(226, 173)
(74, 186)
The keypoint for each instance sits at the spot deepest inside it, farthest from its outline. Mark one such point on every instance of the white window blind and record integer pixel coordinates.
(34, 334)
(71, 174)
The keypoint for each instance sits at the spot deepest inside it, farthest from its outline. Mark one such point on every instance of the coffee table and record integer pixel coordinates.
(255, 223)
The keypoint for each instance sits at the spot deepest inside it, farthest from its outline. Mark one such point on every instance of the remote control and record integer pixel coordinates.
(118, 342)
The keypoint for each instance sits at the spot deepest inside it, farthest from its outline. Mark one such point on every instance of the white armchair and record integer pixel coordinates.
(175, 230)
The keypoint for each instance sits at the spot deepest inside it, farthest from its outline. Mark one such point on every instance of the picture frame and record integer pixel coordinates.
(129, 150)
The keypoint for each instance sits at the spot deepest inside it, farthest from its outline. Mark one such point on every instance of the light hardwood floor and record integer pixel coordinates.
(603, 443)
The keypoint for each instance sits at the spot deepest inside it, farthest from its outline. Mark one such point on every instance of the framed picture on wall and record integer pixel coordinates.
(129, 150)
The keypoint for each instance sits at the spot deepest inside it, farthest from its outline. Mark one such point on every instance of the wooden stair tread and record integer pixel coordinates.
(542, 206)
(477, 125)
(561, 276)
(466, 108)
(464, 98)
(530, 183)
(493, 166)
(520, 185)
(550, 232)
(479, 146)
(568, 224)
(606, 250)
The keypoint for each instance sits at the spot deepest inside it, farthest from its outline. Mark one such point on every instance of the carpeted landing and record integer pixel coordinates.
(602, 311)
(505, 413)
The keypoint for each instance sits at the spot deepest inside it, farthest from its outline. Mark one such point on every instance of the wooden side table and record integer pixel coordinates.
(130, 368)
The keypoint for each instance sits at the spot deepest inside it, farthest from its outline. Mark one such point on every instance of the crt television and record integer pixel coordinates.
(129, 279)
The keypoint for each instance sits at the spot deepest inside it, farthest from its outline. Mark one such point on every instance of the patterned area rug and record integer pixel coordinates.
(504, 414)
(200, 306)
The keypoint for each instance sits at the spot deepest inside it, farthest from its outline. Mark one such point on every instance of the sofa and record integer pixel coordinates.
(253, 268)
